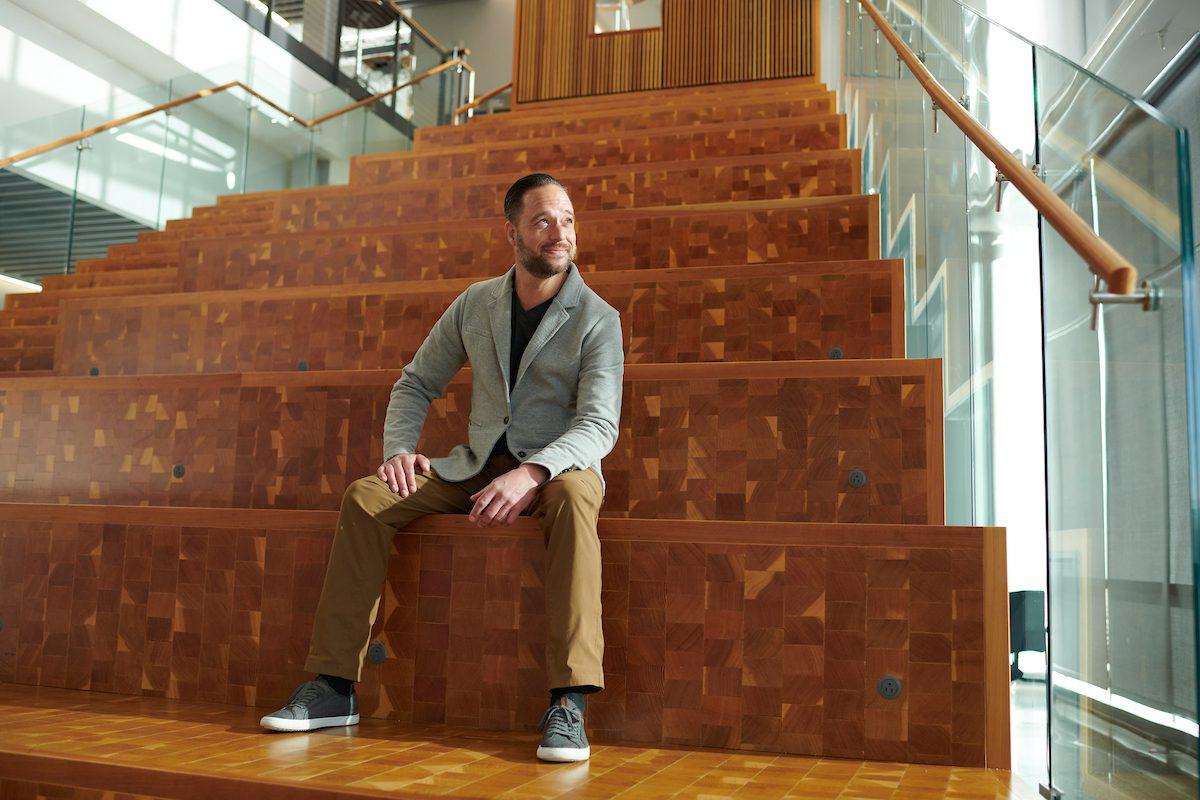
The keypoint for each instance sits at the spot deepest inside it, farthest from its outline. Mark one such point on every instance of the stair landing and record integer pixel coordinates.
(152, 747)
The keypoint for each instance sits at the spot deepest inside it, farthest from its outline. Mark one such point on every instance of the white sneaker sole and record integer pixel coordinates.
(292, 725)
(564, 754)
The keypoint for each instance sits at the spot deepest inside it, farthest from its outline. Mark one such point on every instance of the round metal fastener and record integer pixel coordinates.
(836, 353)
(890, 687)
(376, 653)
(177, 471)
(302, 366)
(94, 371)
(858, 478)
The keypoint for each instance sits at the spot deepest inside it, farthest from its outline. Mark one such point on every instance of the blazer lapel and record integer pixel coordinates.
(500, 312)
(556, 315)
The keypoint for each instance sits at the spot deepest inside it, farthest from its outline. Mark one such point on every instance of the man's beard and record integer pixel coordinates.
(537, 264)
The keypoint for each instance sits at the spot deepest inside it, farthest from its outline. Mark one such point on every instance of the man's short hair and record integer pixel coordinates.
(516, 193)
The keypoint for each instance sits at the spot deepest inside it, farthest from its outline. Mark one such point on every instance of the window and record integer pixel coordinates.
(627, 15)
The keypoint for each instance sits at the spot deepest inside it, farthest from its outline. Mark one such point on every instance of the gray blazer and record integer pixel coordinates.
(564, 408)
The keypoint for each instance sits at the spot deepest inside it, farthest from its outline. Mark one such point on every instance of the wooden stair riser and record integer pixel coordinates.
(26, 358)
(761, 441)
(779, 312)
(727, 180)
(628, 105)
(604, 122)
(109, 278)
(724, 92)
(764, 638)
(821, 229)
(21, 317)
(681, 144)
(52, 299)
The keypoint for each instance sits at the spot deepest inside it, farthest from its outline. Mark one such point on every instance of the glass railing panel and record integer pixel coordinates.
(122, 167)
(37, 201)
(427, 103)
(206, 148)
(1123, 692)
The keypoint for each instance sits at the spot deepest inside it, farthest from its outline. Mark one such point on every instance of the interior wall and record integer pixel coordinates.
(484, 26)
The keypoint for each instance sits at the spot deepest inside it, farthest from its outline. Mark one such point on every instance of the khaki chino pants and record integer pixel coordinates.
(566, 507)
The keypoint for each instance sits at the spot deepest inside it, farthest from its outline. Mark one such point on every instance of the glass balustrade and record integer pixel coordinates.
(1071, 423)
(109, 187)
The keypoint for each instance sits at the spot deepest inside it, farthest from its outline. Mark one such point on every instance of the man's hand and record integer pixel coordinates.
(398, 472)
(503, 500)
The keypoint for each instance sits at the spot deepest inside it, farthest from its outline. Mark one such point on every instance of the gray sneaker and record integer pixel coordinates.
(314, 705)
(563, 738)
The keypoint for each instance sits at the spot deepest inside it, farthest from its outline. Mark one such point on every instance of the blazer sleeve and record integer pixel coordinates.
(593, 431)
(438, 359)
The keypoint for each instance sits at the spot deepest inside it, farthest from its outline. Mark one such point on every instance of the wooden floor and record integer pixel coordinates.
(166, 748)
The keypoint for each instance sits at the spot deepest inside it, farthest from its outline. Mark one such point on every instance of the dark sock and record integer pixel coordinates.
(576, 694)
(342, 686)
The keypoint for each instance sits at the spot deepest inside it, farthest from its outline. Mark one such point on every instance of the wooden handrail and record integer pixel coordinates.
(483, 98)
(116, 123)
(1103, 259)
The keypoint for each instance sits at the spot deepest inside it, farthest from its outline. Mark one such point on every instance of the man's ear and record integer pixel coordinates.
(510, 232)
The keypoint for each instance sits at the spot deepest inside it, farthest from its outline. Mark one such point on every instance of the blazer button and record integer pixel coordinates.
(521, 453)
(506, 420)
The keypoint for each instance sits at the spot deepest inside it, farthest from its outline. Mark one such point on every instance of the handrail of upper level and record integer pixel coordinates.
(478, 101)
(116, 123)
(1109, 265)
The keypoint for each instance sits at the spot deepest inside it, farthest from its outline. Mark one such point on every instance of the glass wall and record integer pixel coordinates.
(161, 166)
(1071, 423)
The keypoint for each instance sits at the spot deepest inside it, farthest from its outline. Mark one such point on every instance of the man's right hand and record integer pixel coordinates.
(399, 472)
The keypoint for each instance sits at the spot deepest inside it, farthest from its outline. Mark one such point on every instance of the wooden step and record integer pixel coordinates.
(769, 637)
(776, 231)
(725, 92)
(51, 299)
(63, 736)
(109, 277)
(28, 335)
(599, 122)
(27, 358)
(633, 103)
(848, 309)
(761, 137)
(741, 178)
(757, 440)
(19, 317)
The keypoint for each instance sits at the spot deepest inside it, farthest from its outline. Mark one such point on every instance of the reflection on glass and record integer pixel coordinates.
(627, 15)
(1002, 300)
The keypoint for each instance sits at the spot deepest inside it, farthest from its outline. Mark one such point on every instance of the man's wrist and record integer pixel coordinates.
(539, 473)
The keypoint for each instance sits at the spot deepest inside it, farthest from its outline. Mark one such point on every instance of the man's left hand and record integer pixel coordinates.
(503, 500)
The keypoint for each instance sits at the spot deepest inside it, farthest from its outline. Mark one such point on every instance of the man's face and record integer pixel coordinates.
(543, 239)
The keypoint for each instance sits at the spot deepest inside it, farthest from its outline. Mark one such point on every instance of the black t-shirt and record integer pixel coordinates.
(524, 324)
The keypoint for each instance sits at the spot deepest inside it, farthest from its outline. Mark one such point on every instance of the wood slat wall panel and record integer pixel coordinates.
(772, 638)
(700, 42)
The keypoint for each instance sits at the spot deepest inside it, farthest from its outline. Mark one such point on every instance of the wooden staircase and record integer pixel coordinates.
(178, 422)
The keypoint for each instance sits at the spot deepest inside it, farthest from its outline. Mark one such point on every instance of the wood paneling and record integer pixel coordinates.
(755, 440)
(766, 637)
(700, 42)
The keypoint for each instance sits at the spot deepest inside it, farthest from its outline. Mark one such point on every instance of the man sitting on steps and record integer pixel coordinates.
(547, 365)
